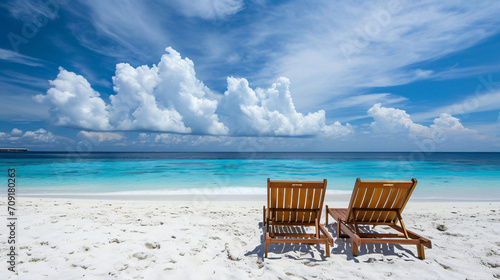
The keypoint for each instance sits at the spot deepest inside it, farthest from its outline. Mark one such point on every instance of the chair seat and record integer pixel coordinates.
(338, 213)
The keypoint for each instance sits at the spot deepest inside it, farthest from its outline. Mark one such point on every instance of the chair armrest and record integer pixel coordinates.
(326, 233)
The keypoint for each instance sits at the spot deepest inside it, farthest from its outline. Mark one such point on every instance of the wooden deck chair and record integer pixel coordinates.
(295, 204)
(377, 203)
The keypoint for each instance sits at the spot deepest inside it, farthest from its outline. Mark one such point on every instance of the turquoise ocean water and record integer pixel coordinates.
(439, 175)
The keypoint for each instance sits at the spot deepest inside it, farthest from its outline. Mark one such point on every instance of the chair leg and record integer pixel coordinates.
(420, 251)
(354, 248)
(327, 249)
(316, 222)
(264, 217)
(326, 214)
(268, 240)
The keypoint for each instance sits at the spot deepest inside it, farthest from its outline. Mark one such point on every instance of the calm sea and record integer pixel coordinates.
(439, 175)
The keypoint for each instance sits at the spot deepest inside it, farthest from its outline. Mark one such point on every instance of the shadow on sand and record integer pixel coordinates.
(342, 246)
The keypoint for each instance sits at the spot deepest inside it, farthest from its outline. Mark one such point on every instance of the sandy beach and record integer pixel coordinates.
(69, 238)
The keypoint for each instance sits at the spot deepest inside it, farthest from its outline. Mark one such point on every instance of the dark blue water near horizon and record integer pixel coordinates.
(440, 175)
(458, 157)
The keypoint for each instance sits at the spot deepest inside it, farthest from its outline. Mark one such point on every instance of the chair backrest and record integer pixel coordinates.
(378, 201)
(295, 202)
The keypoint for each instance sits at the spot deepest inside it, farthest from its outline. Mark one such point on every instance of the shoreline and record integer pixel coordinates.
(137, 196)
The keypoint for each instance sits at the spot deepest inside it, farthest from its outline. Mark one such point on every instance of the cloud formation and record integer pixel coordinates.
(271, 112)
(190, 140)
(31, 138)
(100, 136)
(208, 9)
(480, 101)
(74, 103)
(347, 48)
(169, 98)
(16, 57)
(395, 121)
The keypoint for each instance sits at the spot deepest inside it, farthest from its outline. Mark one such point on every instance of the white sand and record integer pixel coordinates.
(115, 239)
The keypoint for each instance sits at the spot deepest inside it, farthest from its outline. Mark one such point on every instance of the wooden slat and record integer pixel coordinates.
(296, 209)
(374, 202)
(272, 202)
(410, 191)
(366, 201)
(302, 204)
(338, 213)
(361, 194)
(291, 223)
(354, 200)
(376, 209)
(303, 186)
(390, 240)
(306, 184)
(381, 203)
(322, 200)
(295, 204)
(398, 202)
(401, 199)
(389, 204)
(273, 197)
(375, 223)
(309, 216)
(287, 204)
(322, 240)
(289, 234)
(280, 203)
(317, 203)
(377, 184)
(381, 235)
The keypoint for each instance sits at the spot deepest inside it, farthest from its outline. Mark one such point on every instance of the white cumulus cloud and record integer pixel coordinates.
(40, 135)
(169, 98)
(393, 121)
(271, 112)
(135, 106)
(179, 87)
(30, 138)
(75, 103)
(447, 121)
(16, 131)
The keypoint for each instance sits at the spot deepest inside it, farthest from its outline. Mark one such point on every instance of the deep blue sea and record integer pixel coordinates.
(439, 175)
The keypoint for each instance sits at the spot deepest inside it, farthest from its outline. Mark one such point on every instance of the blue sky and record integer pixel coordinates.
(233, 75)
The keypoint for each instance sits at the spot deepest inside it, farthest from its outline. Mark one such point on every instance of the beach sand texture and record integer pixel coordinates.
(61, 238)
